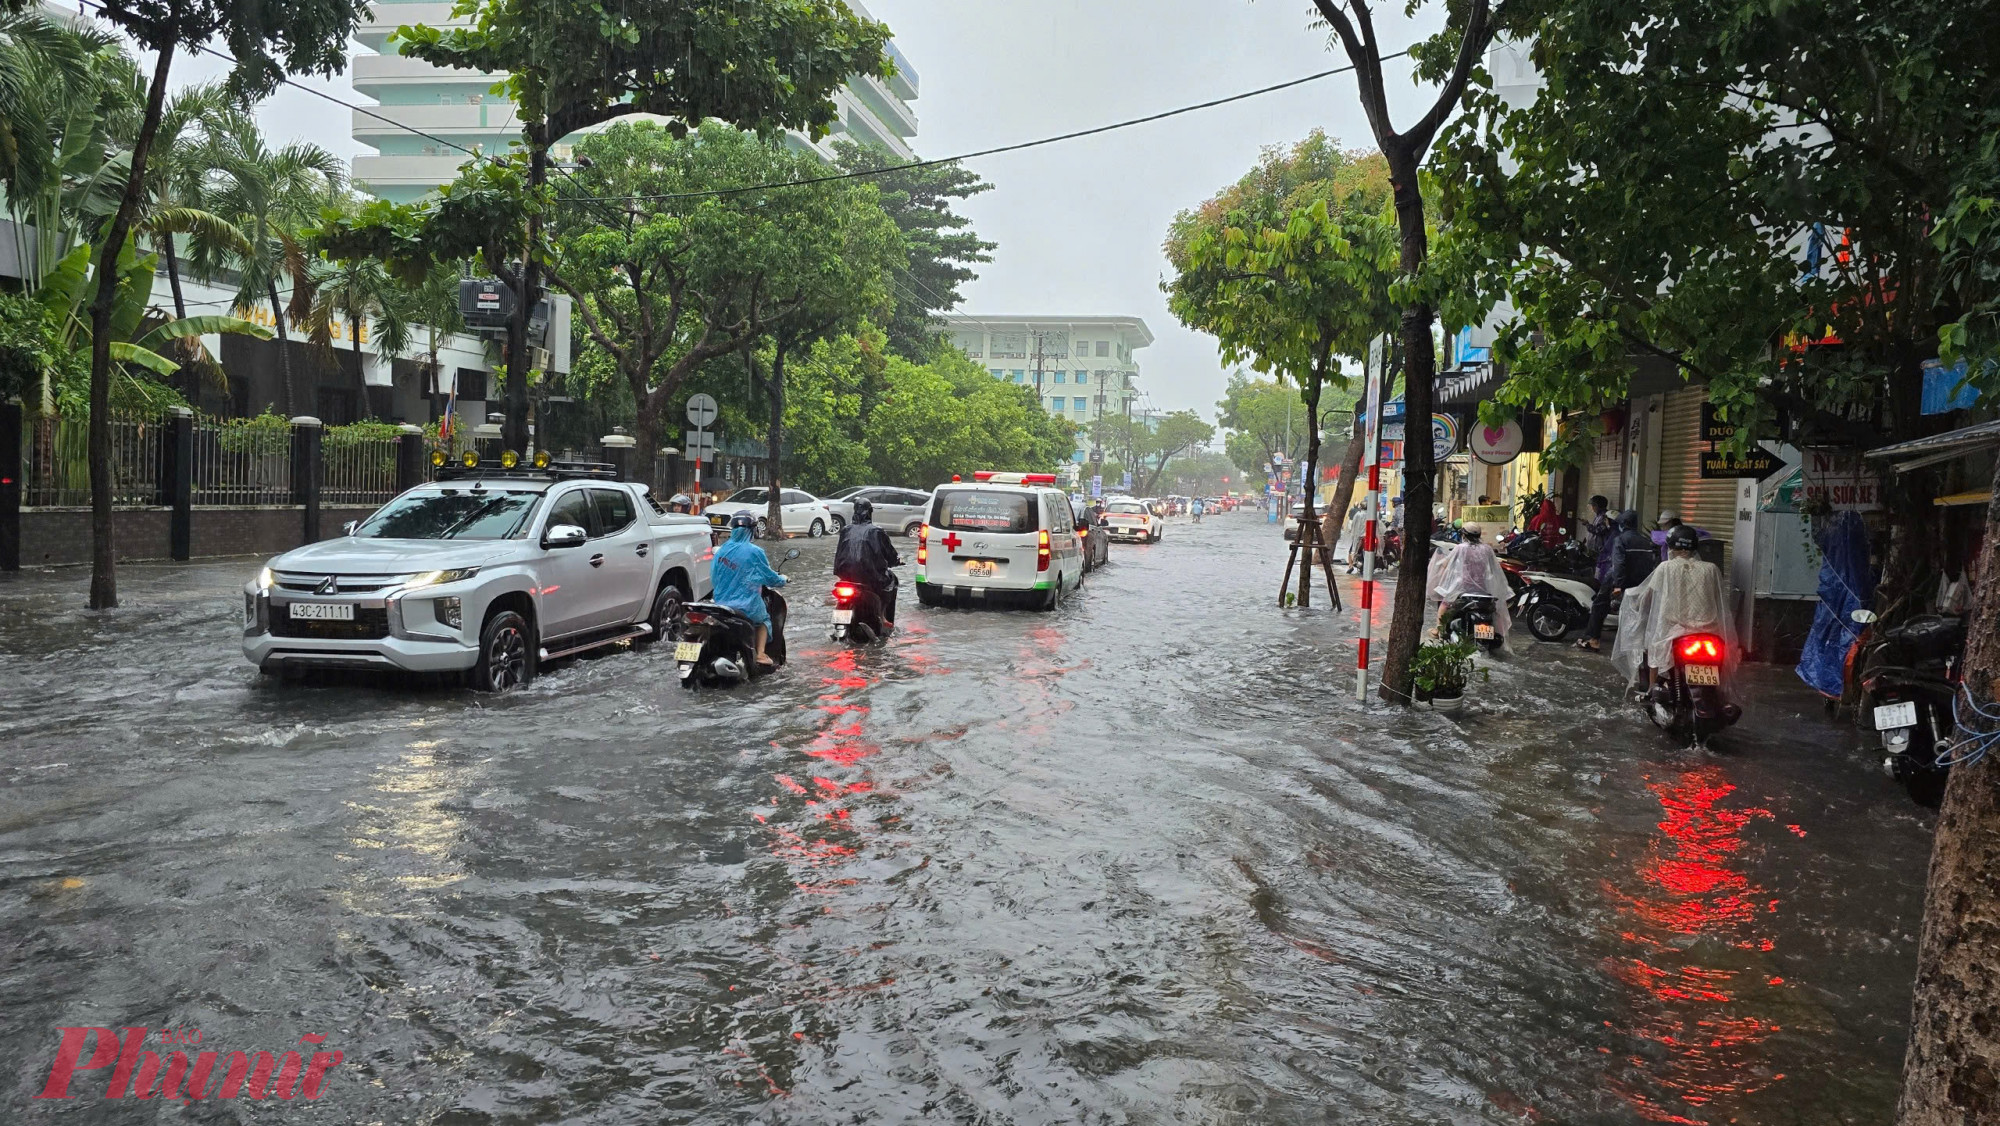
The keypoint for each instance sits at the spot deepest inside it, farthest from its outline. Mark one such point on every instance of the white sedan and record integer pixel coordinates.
(804, 514)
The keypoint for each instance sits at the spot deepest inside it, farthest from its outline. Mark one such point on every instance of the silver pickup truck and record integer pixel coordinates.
(486, 572)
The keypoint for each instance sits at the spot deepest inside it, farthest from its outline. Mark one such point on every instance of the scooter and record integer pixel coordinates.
(858, 616)
(1688, 702)
(1552, 604)
(719, 646)
(1392, 548)
(1472, 618)
(1910, 678)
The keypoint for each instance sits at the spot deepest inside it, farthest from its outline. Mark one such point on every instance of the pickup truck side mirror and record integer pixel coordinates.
(347, 529)
(564, 535)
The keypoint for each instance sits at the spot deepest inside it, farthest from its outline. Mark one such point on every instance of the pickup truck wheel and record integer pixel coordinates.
(668, 609)
(506, 654)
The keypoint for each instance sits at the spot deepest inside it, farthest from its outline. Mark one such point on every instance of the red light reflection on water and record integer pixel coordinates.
(1692, 906)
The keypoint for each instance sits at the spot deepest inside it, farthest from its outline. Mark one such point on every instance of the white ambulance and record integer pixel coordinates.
(1001, 538)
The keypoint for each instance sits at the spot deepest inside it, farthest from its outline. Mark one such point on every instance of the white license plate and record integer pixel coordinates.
(843, 617)
(980, 569)
(1888, 717)
(687, 651)
(322, 612)
(1482, 631)
(1703, 674)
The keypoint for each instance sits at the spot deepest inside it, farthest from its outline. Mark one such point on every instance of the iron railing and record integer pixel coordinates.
(58, 470)
(241, 465)
(358, 470)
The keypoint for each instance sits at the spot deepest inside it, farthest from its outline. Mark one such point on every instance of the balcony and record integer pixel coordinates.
(890, 109)
(373, 72)
(408, 171)
(493, 121)
(383, 19)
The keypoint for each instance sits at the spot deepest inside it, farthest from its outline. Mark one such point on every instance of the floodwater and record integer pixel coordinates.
(1142, 860)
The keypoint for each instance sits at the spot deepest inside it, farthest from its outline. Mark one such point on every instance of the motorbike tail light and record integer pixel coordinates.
(1701, 649)
(1042, 550)
(842, 592)
(696, 617)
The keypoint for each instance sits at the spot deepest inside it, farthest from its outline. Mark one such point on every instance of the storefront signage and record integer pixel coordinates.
(1444, 436)
(1714, 429)
(1756, 465)
(1496, 445)
(1841, 480)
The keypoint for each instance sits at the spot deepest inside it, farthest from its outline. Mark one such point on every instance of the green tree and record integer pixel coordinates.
(942, 246)
(1265, 420)
(759, 65)
(359, 292)
(1448, 59)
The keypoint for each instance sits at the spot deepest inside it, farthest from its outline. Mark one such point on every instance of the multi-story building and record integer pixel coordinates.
(1082, 368)
(426, 110)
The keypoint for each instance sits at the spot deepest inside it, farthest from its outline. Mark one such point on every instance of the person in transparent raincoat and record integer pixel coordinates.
(1683, 595)
(1471, 567)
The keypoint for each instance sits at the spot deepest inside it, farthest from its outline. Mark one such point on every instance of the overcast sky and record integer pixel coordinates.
(1079, 223)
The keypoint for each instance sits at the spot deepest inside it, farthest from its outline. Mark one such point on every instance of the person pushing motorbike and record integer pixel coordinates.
(864, 557)
(740, 572)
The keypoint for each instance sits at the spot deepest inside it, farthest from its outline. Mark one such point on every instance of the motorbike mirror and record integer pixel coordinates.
(791, 555)
(1863, 616)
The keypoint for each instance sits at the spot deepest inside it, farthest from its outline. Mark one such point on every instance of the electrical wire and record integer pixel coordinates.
(1970, 745)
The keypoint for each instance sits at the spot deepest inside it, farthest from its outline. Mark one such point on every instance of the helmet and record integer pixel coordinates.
(1629, 520)
(1473, 530)
(1458, 523)
(680, 502)
(1669, 517)
(864, 510)
(743, 520)
(1682, 538)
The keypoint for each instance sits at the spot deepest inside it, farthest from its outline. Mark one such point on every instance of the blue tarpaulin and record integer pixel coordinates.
(1846, 584)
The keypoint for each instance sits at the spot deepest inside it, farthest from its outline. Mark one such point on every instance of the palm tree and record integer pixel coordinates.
(180, 178)
(359, 289)
(270, 196)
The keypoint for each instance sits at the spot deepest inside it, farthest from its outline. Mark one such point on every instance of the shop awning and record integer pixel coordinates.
(1464, 386)
(1948, 446)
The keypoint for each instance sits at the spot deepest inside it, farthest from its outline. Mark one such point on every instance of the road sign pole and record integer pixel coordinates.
(1373, 451)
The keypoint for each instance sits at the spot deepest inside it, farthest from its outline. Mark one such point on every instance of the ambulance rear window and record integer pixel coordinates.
(982, 510)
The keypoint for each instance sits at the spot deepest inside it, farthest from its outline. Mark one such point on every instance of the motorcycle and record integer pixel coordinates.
(1552, 605)
(1909, 680)
(1687, 701)
(718, 645)
(858, 613)
(1392, 548)
(1472, 618)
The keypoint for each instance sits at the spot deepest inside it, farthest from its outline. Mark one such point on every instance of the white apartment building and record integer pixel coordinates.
(459, 108)
(1082, 368)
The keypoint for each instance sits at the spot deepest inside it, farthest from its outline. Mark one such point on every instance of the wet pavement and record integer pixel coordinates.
(1140, 860)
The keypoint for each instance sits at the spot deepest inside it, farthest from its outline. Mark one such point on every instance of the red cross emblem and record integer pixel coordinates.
(951, 541)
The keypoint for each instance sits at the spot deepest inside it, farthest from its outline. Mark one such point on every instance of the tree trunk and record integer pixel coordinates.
(646, 419)
(774, 439)
(1309, 557)
(1406, 626)
(189, 376)
(284, 354)
(360, 374)
(103, 551)
(1951, 1073)
(515, 432)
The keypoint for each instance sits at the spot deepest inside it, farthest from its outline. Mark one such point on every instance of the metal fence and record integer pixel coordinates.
(358, 470)
(241, 465)
(58, 470)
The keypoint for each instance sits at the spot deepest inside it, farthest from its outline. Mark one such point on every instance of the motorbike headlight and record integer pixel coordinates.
(265, 578)
(436, 578)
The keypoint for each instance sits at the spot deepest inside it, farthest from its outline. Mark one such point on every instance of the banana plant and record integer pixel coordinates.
(139, 335)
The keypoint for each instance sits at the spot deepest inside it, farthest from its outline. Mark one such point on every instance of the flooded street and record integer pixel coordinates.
(1140, 860)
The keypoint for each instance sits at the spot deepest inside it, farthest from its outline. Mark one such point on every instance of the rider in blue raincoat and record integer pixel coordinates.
(740, 573)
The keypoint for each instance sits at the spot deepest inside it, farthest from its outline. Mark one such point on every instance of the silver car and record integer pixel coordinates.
(896, 510)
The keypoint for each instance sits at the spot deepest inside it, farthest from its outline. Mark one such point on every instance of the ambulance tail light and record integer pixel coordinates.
(923, 544)
(1042, 550)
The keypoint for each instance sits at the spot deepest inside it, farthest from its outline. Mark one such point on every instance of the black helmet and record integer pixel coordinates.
(1682, 538)
(1629, 520)
(743, 520)
(864, 510)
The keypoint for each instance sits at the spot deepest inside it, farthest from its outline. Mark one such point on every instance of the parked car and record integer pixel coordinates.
(803, 513)
(1292, 518)
(487, 573)
(897, 511)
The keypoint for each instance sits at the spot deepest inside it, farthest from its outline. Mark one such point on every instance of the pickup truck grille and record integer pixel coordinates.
(306, 582)
(369, 624)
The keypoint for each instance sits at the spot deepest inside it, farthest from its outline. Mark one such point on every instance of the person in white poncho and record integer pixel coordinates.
(1683, 595)
(1470, 568)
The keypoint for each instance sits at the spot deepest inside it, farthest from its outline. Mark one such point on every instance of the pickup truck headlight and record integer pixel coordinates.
(436, 578)
(265, 578)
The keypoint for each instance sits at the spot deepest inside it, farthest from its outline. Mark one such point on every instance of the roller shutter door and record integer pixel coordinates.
(1709, 505)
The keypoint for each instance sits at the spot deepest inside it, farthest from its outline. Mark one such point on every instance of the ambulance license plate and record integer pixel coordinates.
(1708, 675)
(980, 569)
(687, 651)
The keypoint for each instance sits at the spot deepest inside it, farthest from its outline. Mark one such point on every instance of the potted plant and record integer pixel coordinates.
(1441, 670)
